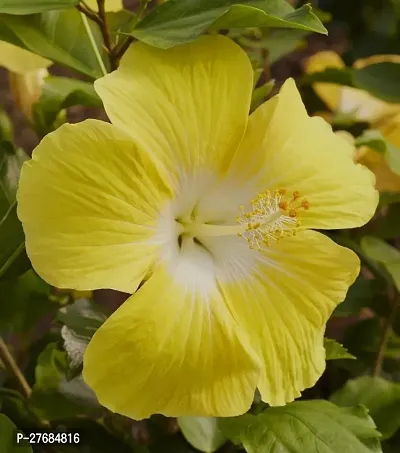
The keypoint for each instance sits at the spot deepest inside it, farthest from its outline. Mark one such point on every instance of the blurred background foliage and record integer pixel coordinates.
(50, 53)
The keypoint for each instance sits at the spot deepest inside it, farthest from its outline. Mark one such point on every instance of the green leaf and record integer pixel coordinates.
(178, 21)
(335, 351)
(11, 233)
(202, 433)
(8, 438)
(375, 140)
(34, 6)
(380, 396)
(53, 396)
(381, 80)
(59, 93)
(23, 302)
(383, 253)
(81, 320)
(57, 35)
(305, 426)
(260, 94)
(83, 317)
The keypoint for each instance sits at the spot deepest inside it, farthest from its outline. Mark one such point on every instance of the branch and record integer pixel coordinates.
(386, 328)
(106, 33)
(13, 368)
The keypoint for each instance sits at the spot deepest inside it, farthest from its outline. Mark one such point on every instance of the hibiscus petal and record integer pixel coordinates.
(89, 202)
(299, 153)
(173, 348)
(187, 106)
(284, 304)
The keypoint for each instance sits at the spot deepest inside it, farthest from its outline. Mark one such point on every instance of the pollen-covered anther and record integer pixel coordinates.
(273, 216)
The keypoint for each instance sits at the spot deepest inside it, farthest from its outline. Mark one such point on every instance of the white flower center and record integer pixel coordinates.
(205, 240)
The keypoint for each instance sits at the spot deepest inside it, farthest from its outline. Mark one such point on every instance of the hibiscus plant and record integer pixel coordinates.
(199, 226)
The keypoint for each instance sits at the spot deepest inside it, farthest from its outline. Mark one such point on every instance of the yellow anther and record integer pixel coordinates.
(273, 216)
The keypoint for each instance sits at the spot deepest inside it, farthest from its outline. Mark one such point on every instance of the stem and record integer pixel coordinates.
(13, 368)
(118, 52)
(106, 33)
(93, 43)
(387, 325)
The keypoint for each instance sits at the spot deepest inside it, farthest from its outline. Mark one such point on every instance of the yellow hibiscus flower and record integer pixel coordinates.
(220, 208)
(110, 5)
(344, 100)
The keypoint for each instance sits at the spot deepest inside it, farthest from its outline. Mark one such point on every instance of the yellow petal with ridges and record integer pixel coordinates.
(299, 153)
(19, 60)
(186, 106)
(110, 5)
(172, 349)
(328, 92)
(284, 306)
(89, 202)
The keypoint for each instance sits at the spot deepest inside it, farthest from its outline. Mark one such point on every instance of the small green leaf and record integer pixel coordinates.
(381, 80)
(178, 21)
(202, 433)
(83, 317)
(374, 139)
(8, 438)
(260, 94)
(383, 253)
(59, 36)
(11, 234)
(59, 93)
(380, 396)
(335, 351)
(34, 6)
(305, 426)
(81, 320)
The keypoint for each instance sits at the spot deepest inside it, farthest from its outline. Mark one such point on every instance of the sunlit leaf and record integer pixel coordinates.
(59, 36)
(202, 433)
(178, 21)
(34, 6)
(305, 426)
(335, 351)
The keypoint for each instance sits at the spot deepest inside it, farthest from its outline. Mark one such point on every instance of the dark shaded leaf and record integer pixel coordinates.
(380, 396)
